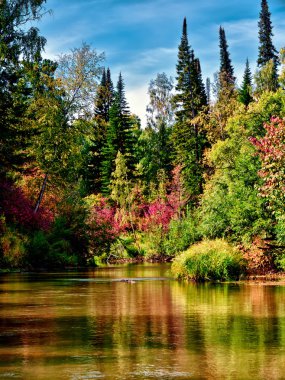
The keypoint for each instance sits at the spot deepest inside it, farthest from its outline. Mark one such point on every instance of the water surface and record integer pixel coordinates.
(93, 325)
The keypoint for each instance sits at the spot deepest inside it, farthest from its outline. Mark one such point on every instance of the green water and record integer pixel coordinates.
(91, 325)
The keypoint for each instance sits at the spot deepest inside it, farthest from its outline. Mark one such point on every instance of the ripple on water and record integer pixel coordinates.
(150, 373)
(88, 375)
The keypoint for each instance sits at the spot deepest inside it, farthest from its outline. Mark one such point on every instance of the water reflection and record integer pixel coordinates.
(93, 325)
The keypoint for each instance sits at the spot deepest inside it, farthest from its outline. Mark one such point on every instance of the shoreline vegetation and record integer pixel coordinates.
(83, 184)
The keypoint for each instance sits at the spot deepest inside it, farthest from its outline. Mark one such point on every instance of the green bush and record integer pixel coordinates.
(182, 233)
(12, 248)
(213, 260)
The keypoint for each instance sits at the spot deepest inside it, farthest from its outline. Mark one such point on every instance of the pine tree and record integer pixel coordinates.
(226, 69)
(119, 135)
(199, 91)
(103, 102)
(267, 50)
(104, 97)
(208, 90)
(245, 90)
(187, 138)
(183, 100)
(20, 49)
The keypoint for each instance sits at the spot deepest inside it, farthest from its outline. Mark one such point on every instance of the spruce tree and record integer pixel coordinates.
(226, 68)
(103, 102)
(266, 48)
(200, 96)
(119, 136)
(20, 49)
(187, 139)
(104, 97)
(245, 90)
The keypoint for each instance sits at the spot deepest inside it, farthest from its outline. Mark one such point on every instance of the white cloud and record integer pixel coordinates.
(137, 98)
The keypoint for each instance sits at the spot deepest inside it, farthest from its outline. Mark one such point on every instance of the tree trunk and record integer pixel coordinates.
(41, 194)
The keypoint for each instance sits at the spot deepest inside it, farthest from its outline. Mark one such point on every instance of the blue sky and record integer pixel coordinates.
(140, 38)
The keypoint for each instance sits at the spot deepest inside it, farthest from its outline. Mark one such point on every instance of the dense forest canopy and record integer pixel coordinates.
(81, 181)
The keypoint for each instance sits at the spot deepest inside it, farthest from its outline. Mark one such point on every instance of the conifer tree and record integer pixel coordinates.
(266, 48)
(245, 90)
(199, 88)
(188, 141)
(104, 97)
(226, 69)
(103, 102)
(20, 48)
(119, 135)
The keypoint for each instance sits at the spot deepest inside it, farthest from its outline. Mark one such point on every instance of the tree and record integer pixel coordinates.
(271, 151)
(208, 90)
(103, 102)
(266, 48)
(245, 91)
(160, 118)
(78, 72)
(282, 74)
(119, 136)
(226, 74)
(190, 98)
(104, 97)
(265, 78)
(120, 183)
(20, 47)
(160, 108)
(56, 146)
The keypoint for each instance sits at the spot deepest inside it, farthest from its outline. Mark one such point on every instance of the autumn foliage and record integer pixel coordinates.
(271, 151)
(19, 209)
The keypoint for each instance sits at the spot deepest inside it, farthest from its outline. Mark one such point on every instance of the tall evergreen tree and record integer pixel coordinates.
(20, 48)
(183, 99)
(266, 48)
(246, 87)
(187, 139)
(103, 102)
(226, 68)
(104, 97)
(200, 96)
(119, 135)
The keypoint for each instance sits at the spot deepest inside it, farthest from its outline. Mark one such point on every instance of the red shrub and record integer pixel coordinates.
(18, 209)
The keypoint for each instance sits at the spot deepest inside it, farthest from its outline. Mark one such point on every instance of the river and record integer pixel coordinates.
(98, 325)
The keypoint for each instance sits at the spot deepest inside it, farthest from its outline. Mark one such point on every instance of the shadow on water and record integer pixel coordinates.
(136, 322)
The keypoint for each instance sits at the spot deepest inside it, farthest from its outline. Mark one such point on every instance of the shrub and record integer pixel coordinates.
(182, 233)
(12, 247)
(209, 260)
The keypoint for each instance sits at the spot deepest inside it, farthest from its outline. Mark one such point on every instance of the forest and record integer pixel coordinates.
(82, 183)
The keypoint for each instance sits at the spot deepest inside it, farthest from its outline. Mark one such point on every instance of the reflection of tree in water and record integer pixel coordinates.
(146, 328)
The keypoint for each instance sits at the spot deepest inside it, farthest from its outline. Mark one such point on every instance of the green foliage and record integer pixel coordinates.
(226, 69)
(266, 48)
(119, 136)
(181, 234)
(120, 184)
(187, 137)
(245, 91)
(231, 206)
(104, 97)
(13, 252)
(214, 260)
(280, 260)
(266, 79)
(66, 243)
(20, 47)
